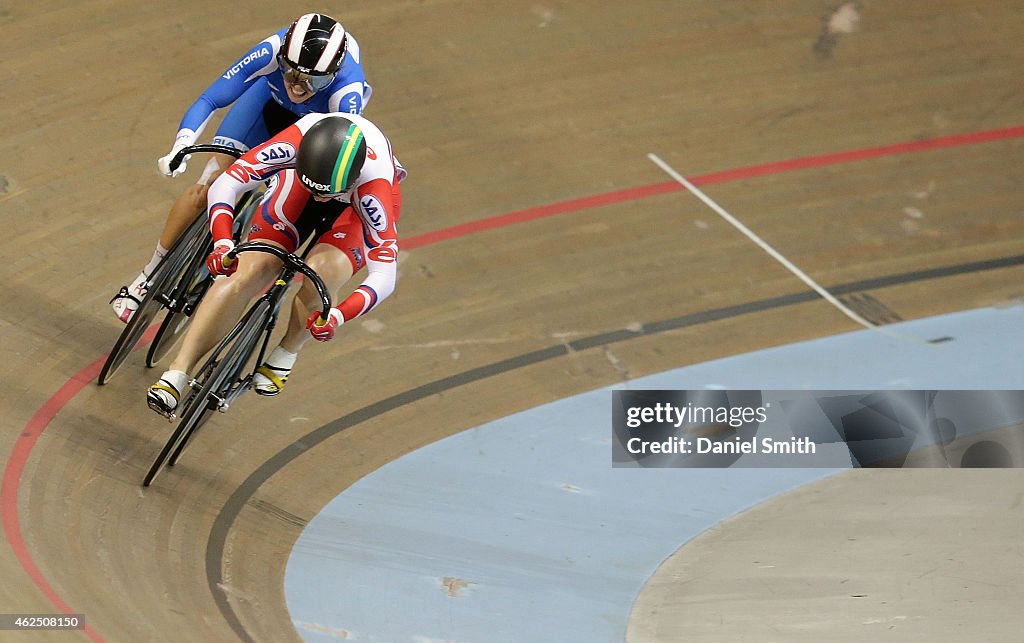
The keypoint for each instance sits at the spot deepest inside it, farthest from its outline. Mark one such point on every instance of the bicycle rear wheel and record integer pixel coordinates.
(219, 379)
(166, 276)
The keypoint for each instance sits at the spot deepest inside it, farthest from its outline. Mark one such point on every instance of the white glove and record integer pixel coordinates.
(164, 162)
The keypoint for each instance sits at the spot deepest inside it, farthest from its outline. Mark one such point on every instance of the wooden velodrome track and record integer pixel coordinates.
(494, 107)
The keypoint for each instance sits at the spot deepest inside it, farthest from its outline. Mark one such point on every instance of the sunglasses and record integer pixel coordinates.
(312, 83)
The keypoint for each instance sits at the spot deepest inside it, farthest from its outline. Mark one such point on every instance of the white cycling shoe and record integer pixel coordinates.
(269, 380)
(127, 300)
(273, 373)
(164, 395)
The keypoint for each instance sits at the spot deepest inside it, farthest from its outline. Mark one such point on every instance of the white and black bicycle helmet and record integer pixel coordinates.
(315, 48)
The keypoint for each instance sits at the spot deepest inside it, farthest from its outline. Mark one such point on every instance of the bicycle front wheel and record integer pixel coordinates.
(219, 378)
(230, 373)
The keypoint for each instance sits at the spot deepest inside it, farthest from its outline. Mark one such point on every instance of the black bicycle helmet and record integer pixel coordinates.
(315, 45)
(331, 156)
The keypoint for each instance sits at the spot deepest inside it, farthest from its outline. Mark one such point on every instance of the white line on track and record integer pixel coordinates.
(775, 254)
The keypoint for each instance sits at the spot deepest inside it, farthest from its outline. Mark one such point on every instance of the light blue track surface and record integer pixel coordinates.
(520, 530)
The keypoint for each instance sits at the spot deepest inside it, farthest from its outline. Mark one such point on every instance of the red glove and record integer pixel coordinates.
(321, 330)
(218, 262)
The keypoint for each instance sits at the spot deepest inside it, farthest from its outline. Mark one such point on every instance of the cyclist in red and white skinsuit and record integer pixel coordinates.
(324, 165)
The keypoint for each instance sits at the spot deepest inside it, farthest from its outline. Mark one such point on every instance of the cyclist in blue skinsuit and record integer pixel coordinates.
(313, 66)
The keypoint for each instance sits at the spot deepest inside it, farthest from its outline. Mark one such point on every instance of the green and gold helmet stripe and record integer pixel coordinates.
(340, 178)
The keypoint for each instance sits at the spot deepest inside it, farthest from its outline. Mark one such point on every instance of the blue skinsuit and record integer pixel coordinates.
(256, 78)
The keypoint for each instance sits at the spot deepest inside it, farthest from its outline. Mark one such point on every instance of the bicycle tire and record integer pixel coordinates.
(150, 306)
(179, 430)
(228, 374)
(219, 373)
(192, 288)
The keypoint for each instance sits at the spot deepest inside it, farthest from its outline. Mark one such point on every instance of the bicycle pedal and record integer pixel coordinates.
(153, 405)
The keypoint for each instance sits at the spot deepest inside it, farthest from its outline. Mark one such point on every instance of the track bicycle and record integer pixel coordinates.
(178, 283)
(229, 370)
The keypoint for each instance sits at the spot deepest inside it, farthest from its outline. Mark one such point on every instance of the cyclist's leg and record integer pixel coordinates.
(334, 268)
(336, 257)
(222, 306)
(273, 223)
(227, 298)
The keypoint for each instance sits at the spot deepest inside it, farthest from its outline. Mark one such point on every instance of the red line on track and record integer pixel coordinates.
(16, 466)
(12, 476)
(34, 428)
(749, 172)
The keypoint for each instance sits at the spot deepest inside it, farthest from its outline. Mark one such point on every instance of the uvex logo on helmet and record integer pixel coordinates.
(331, 155)
(320, 187)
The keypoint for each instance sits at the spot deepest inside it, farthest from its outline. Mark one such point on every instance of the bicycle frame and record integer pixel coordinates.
(220, 381)
(274, 296)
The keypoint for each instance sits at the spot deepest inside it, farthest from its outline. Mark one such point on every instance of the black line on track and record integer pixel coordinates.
(216, 544)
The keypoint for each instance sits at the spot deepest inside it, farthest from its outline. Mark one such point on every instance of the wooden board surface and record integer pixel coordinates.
(494, 107)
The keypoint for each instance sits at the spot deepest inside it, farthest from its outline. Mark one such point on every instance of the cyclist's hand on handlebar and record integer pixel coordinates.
(324, 330)
(218, 262)
(164, 162)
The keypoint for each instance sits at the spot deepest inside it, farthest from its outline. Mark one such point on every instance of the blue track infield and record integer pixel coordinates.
(521, 530)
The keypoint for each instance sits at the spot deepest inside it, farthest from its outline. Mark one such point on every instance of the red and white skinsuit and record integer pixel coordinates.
(365, 231)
